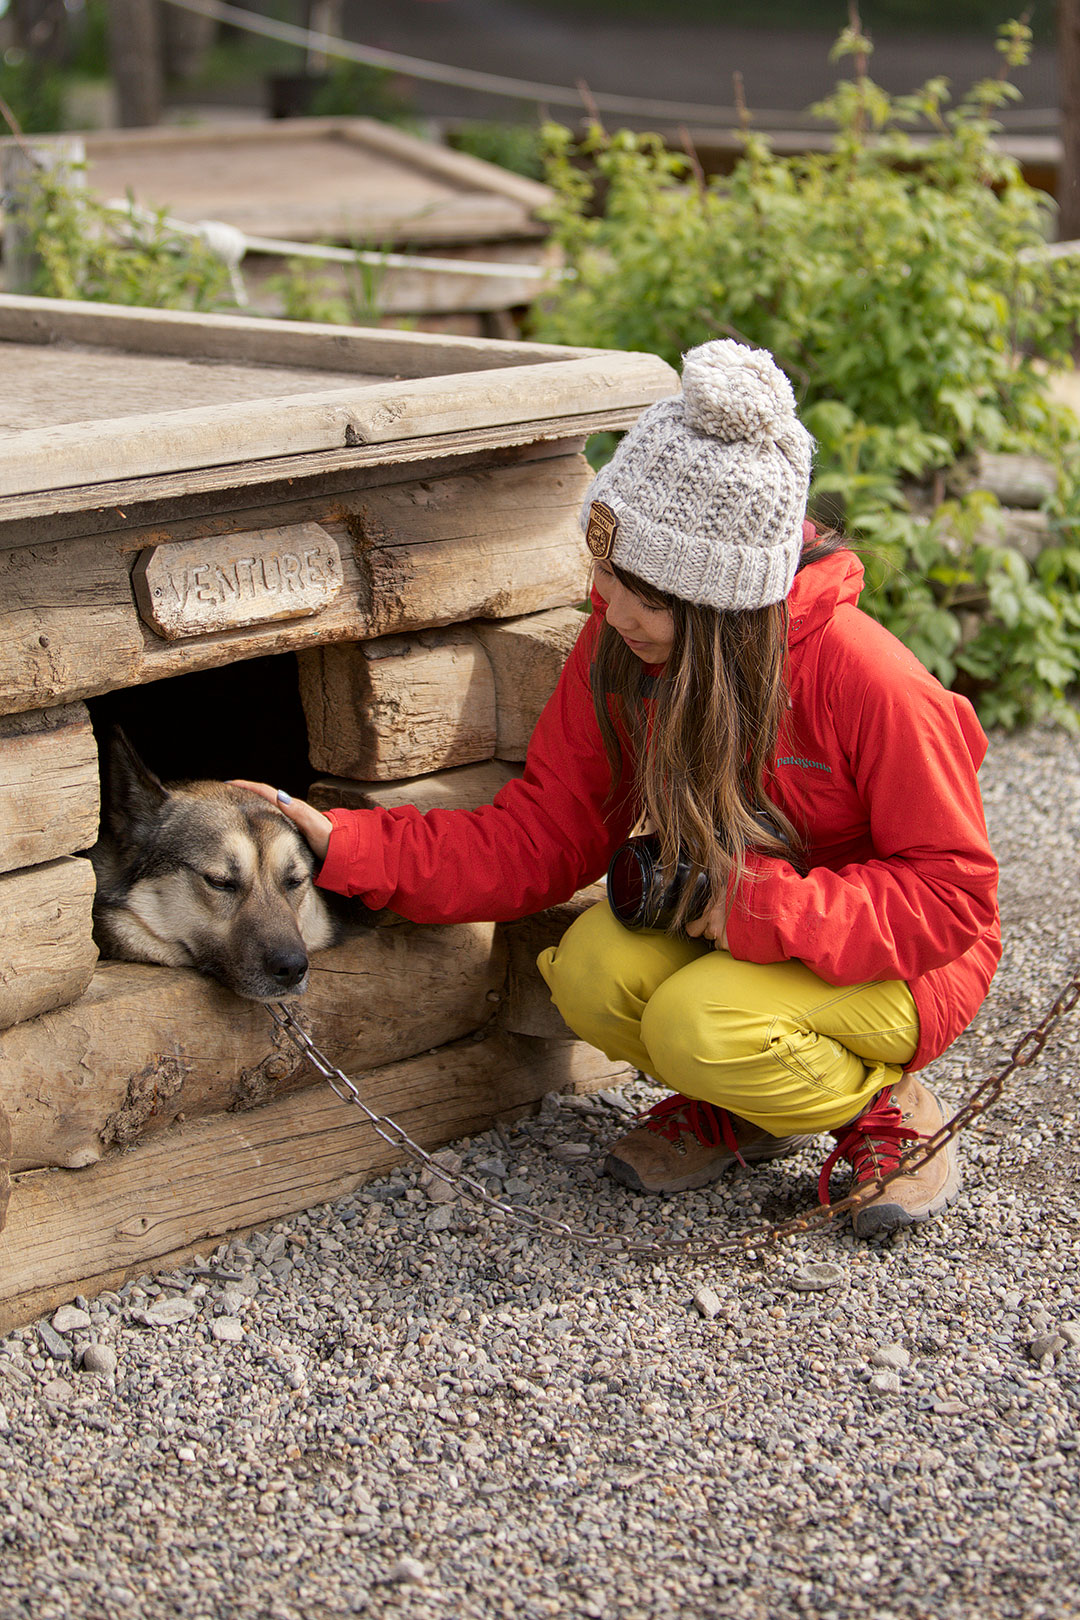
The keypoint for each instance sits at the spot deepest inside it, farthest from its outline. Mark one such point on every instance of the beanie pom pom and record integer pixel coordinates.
(733, 392)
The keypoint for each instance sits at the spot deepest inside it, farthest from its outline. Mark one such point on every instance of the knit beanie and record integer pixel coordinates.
(705, 496)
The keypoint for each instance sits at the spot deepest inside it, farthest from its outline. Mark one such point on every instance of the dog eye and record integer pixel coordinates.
(223, 883)
(293, 881)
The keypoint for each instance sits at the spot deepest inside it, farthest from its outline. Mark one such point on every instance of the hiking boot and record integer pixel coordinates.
(904, 1113)
(682, 1144)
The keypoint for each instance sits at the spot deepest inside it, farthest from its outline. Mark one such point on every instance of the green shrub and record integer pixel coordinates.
(85, 250)
(898, 280)
(34, 92)
(518, 147)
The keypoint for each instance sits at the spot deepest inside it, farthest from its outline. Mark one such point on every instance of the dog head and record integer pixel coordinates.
(205, 875)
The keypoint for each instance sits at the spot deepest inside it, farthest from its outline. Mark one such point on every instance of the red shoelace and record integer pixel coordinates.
(872, 1144)
(672, 1116)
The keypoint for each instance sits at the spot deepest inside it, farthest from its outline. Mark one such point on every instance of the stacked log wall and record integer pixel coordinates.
(467, 584)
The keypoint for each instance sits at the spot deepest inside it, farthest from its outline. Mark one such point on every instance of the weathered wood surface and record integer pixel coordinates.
(146, 1045)
(49, 793)
(229, 582)
(1017, 480)
(49, 384)
(47, 954)
(527, 656)
(244, 339)
(349, 179)
(172, 499)
(527, 1007)
(465, 788)
(487, 544)
(399, 707)
(167, 441)
(438, 546)
(72, 1232)
(5, 1165)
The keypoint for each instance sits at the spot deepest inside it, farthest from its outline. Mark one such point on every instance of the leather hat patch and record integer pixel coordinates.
(602, 528)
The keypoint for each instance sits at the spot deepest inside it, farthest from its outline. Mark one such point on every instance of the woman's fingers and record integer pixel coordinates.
(315, 827)
(712, 924)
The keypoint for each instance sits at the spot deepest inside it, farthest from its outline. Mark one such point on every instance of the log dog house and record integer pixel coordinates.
(344, 560)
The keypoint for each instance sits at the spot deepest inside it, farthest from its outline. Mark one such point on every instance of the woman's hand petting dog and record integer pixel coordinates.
(315, 827)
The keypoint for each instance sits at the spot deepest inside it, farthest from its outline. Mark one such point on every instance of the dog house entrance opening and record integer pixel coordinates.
(244, 719)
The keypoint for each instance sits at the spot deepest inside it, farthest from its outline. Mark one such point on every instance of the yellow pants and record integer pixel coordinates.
(772, 1043)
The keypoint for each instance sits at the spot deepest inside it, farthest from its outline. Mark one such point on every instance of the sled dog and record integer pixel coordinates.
(205, 875)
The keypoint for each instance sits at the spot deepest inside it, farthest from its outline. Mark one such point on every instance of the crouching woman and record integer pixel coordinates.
(837, 927)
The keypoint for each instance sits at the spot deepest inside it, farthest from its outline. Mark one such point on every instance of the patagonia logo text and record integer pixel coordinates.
(806, 764)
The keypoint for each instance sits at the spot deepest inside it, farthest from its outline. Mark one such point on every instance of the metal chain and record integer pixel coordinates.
(1024, 1053)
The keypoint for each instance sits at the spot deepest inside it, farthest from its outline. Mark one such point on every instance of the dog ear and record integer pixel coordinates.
(135, 794)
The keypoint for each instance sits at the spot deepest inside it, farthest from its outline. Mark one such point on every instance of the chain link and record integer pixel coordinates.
(1024, 1053)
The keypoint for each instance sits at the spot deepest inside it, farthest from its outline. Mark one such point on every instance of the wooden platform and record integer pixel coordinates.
(353, 180)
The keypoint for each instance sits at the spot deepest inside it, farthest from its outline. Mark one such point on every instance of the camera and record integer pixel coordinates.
(637, 891)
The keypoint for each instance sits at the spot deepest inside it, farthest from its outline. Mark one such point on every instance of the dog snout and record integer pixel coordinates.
(286, 966)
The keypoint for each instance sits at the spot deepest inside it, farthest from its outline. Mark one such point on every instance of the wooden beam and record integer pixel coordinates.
(527, 657)
(147, 1045)
(399, 707)
(210, 492)
(216, 435)
(139, 330)
(47, 954)
(49, 793)
(488, 544)
(465, 788)
(79, 1231)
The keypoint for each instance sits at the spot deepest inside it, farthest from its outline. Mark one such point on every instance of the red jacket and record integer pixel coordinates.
(876, 767)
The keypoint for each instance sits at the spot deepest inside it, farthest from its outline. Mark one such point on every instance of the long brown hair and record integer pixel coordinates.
(704, 745)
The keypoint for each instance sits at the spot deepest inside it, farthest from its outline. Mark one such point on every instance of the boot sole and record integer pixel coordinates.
(879, 1220)
(625, 1173)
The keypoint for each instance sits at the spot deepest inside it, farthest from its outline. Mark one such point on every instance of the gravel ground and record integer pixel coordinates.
(393, 1406)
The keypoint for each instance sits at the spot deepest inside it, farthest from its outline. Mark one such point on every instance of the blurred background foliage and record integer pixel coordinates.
(900, 281)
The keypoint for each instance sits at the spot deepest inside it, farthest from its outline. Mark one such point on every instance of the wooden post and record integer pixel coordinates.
(20, 166)
(135, 59)
(1068, 194)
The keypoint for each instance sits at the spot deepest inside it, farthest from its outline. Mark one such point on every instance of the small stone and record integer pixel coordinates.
(616, 1100)
(707, 1302)
(166, 1312)
(891, 1356)
(517, 1187)
(58, 1389)
(407, 1570)
(1070, 1332)
(185, 1454)
(822, 1274)
(1046, 1345)
(949, 1407)
(231, 1301)
(441, 1218)
(99, 1358)
(438, 1189)
(57, 1347)
(69, 1317)
(227, 1329)
(571, 1152)
(495, 1168)
(886, 1383)
(5, 1421)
